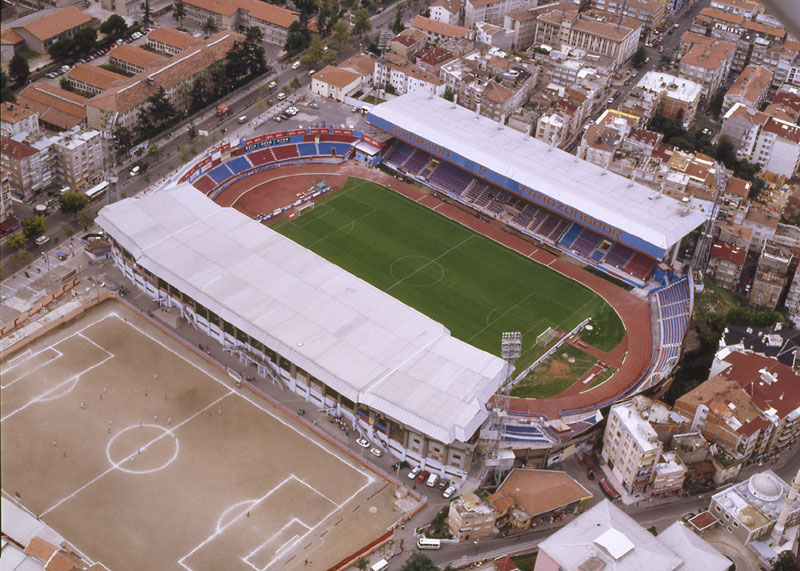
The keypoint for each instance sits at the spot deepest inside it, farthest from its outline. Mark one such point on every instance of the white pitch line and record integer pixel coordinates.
(235, 519)
(58, 355)
(282, 548)
(42, 396)
(313, 489)
(95, 344)
(112, 468)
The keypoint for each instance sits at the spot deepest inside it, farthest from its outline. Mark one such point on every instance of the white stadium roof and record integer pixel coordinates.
(360, 341)
(613, 199)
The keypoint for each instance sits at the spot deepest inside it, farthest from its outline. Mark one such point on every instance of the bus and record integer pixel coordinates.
(97, 192)
(425, 543)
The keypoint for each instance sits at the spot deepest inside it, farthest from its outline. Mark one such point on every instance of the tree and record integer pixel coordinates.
(340, 37)
(726, 151)
(114, 25)
(161, 108)
(254, 35)
(147, 17)
(154, 152)
(331, 57)
(18, 69)
(179, 11)
(314, 53)
(5, 92)
(295, 83)
(61, 49)
(17, 240)
(449, 94)
(397, 25)
(67, 229)
(86, 217)
(34, 227)
(715, 105)
(419, 562)
(639, 56)
(122, 138)
(306, 7)
(72, 201)
(362, 564)
(757, 187)
(210, 26)
(85, 39)
(192, 133)
(362, 24)
(64, 84)
(297, 39)
(786, 561)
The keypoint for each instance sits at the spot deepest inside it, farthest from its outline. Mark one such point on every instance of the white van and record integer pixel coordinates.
(135, 170)
(432, 479)
(281, 96)
(380, 565)
(242, 119)
(296, 65)
(42, 240)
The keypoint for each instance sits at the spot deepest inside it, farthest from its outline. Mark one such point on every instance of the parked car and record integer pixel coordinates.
(422, 476)
(376, 452)
(443, 484)
(42, 240)
(432, 480)
(401, 464)
(590, 472)
(449, 491)
(363, 442)
(313, 105)
(296, 65)
(412, 475)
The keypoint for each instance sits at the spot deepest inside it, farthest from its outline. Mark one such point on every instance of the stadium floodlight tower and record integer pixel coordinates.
(702, 250)
(510, 350)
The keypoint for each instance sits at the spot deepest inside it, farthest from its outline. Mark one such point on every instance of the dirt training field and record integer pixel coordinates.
(145, 456)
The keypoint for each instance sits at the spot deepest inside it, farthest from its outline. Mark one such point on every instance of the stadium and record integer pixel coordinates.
(383, 302)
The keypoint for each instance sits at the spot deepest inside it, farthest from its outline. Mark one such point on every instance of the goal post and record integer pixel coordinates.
(545, 337)
(303, 208)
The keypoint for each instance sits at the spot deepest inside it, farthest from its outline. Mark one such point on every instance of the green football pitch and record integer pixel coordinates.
(472, 285)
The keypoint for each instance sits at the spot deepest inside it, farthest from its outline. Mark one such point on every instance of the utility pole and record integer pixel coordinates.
(510, 350)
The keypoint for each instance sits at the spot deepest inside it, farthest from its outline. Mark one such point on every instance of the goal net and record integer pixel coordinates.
(546, 337)
(300, 210)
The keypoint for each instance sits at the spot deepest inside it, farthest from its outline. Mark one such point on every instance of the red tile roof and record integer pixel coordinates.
(782, 394)
(446, 30)
(57, 23)
(172, 37)
(783, 129)
(15, 149)
(725, 251)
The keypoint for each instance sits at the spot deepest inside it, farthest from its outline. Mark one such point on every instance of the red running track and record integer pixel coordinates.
(266, 191)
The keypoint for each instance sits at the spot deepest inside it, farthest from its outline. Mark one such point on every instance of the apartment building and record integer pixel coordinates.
(133, 59)
(706, 61)
(742, 124)
(749, 89)
(91, 79)
(239, 15)
(120, 104)
(631, 447)
(433, 58)
(406, 77)
(491, 11)
(446, 11)
(28, 167)
(648, 12)
(79, 158)
(777, 148)
(15, 118)
(771, 275)
(470, 519)
(678, 97)
(669, 474)
(491, 35)
(169, 41)
(725, 264)
(523, 24)
(408, 42)
(437, 31)
(592, 30)
(122, 7)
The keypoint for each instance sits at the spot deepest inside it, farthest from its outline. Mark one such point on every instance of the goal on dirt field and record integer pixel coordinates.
(300, 210)
(545, 337)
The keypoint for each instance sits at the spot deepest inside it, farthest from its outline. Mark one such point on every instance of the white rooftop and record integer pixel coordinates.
(629, 547)
(630, 417)
(629, 206)
(678, 88)
(697, 554)
(360, 341)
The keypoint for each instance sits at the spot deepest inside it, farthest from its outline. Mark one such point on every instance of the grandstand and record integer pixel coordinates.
(671, 308)
(605, 220)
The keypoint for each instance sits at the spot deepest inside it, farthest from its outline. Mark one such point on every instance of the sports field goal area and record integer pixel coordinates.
(143, 455)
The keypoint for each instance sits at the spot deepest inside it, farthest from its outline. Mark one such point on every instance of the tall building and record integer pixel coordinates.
(593, 30)
(706, 61)
(771, 275)
(491, 11)
(631, 447)
(678, 97)
(236, 15)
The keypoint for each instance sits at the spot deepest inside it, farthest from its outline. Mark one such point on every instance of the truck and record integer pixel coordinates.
(222, 109)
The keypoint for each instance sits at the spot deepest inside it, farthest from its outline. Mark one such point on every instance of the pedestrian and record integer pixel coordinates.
(145, 393)
(139, 450)
(155, 376)
(54, 442)
(248, 514)
(169, 419)
(105, 389)
(65, 454)
(165, 397)
(101, 397)
(83, 405)
(155, 417)
(109, 431)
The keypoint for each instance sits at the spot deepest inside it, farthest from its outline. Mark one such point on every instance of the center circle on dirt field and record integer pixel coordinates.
(142, 449)
(417, 271)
